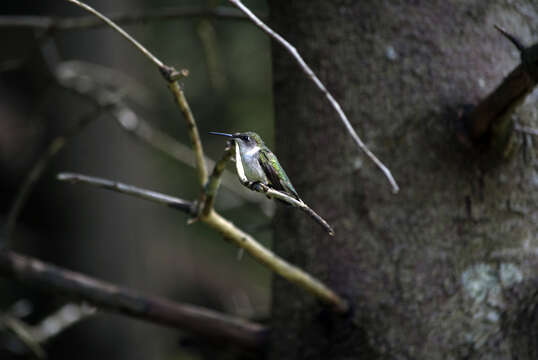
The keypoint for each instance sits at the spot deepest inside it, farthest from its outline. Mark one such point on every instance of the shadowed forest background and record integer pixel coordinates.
(114, 237)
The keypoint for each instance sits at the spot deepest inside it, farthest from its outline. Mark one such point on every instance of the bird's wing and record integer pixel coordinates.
(275, 173)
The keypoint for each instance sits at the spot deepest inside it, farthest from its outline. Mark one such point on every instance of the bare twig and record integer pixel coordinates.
(135, 17)
(172, 76)
(229, 231)
(275, 263)
(37, 170)
(170, 201)
(499, 104)
(212, 186)
(194, 135)
(277, 194)
(308, 71)
(114, 298)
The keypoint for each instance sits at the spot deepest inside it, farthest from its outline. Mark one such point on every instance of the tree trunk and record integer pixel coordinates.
(435, 271)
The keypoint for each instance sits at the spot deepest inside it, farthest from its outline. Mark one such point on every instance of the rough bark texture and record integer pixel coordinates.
(436, 271)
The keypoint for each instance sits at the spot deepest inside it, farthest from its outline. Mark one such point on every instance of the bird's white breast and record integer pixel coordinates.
(253, 170)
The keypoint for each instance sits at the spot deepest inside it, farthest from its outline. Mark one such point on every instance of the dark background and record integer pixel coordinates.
(111, 236)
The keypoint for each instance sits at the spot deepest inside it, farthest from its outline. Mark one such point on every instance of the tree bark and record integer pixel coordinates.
(436, 271)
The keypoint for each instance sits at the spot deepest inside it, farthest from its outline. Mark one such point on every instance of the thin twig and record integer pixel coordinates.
(277, 194)
(170, 201)
(172, 76)
(135, 17)
(114, 298)
(299, 204)
(308, 71)
(110, 23)
(229, 231)
(212, 186)
(37, 170)
(194, 135)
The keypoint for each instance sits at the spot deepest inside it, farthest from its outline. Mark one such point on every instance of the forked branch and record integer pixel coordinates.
(212, 218)
(228, 230)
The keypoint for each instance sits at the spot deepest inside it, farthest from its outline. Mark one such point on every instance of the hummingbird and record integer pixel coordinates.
(260, 164)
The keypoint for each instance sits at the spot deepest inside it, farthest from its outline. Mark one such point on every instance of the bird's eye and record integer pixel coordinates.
(247, 138)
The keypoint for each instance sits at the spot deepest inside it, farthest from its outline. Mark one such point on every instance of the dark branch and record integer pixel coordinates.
(138, 17)
(205, 322)
(498, 105)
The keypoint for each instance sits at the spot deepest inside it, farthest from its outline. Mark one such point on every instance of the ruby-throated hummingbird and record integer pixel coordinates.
(260, 164)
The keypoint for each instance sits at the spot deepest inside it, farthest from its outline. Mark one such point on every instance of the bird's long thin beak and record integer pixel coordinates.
(221, 134)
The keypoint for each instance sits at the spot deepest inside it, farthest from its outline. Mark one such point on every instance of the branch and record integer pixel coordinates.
(230, 232)
(172, 76)
(308, 71)
(212, 186)
(257, 186)
(170, 201)
(70, 74)
(499, 105)
(194, 135)
(136, 17)
(213, 219)
(114, 298)
(275, 263)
